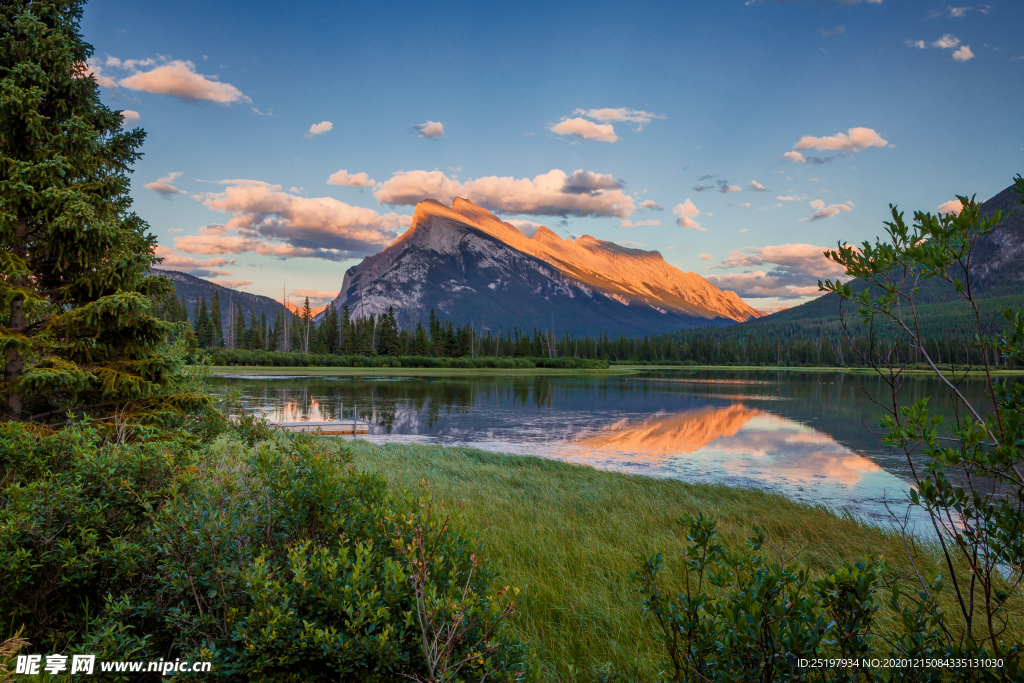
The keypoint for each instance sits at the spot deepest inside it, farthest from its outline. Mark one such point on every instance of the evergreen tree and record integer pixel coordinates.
(307, 322)
(418, 347)
(76, 322)
(203, 327)
(217, 327)
(347, 334)
(387, 334)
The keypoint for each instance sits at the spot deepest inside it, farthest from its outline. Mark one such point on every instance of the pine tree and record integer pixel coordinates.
(203, 327)
(76, 323)
(347, 333)
(217, 326)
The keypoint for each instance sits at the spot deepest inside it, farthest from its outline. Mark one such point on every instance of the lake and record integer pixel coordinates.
(812, 436)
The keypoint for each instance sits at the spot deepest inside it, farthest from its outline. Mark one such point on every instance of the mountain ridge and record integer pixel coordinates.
(474, 268)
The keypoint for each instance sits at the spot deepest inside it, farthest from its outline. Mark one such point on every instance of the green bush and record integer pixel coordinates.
(275, 561)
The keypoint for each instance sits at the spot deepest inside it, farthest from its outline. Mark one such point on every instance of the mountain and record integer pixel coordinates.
(997, 276)
(471, 267)
(192, 288)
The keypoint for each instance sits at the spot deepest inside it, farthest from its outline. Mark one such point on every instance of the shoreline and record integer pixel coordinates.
(227, 371)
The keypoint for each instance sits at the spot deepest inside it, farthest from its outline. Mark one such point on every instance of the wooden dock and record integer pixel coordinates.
(331, 428)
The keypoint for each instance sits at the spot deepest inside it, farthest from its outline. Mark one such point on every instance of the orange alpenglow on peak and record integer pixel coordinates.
(633, 274)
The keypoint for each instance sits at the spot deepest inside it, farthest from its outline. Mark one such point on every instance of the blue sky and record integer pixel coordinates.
(684, 105)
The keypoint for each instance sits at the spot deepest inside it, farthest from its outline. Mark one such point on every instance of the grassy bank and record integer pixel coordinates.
(569, 536)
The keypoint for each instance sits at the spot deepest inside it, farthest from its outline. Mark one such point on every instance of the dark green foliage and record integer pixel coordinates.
(275, 559)
(72, 509)
(76, 301)
(746, 616)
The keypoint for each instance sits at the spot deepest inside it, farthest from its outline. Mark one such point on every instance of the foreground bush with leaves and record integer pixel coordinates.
(276, 562)
(743, 617)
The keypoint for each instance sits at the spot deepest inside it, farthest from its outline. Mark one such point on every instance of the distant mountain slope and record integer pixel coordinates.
(997, 271)
(193, 288)
(471, 267)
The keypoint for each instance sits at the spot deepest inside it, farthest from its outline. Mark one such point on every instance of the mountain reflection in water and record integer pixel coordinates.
(811, 436)
(735, 444)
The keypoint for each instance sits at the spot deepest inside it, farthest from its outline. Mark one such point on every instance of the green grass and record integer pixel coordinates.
(570, 537)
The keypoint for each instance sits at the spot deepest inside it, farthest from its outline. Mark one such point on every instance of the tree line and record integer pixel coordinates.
(340, 333)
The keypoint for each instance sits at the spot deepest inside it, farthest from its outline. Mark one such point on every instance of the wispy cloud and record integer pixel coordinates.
(165, 186)
(837, 31)
(822, 212)
(639, 224)
(624, 114)
(650, 204)
(756, 186)
(193, 266)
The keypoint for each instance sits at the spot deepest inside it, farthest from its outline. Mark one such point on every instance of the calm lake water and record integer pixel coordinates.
(811, 436)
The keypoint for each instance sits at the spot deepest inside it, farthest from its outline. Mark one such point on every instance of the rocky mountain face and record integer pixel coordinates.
(471, 267)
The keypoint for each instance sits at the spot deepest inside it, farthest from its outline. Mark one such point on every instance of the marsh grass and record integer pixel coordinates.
(570, 537)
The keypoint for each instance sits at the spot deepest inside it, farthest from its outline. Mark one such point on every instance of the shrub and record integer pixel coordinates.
(275, 560)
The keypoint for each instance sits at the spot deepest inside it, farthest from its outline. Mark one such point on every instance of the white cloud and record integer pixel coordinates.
(963, 54)
(649, 204)
(952, 206)
(745, 205)
(639, 224)
(347, 179)
(554, 193)
(430, 129)
(621, 114)
(317, 297)
(165, 185)
(267, 221)
(795, 157)
(687, 212)
(946, 42)
(93, 69)
(586, 130)
(756, 186)
(130, 116)
(705, 257)
(793, 271)
(193, 266)
(413, 187)
(234, 284)
(919, 44)
(178, 78)
(319, 128)
(822, 211)
(854, 140)
(788, 198)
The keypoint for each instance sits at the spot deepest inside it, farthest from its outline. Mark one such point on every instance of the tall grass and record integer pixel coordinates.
(570, 537)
